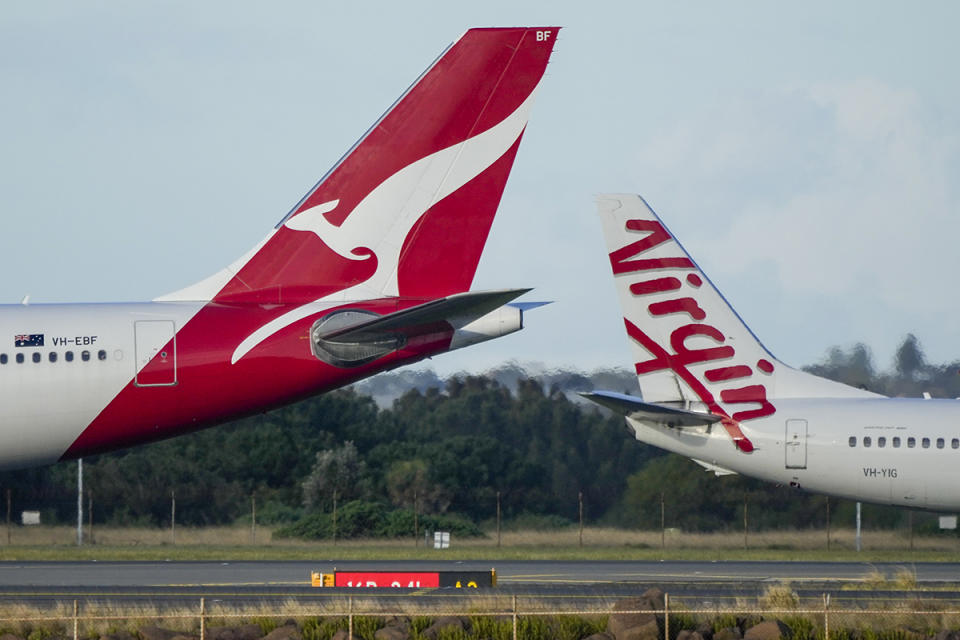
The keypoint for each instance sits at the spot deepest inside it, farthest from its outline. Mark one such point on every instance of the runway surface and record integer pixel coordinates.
(252, 579)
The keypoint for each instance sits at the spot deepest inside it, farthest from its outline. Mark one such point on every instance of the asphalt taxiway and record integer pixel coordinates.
(294, 574)
(41, 580)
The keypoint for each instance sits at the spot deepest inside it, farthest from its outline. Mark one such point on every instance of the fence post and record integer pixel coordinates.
(580, 508)
(79, 502)
(666, 616)
(514, 617)
(828, 523)
(203, 619)
(76, 621)
(90, 516)
(350, 618)
(498, 519)
(663, 523)
(910, 521)
(858, 528)
(826, 616)
(744, 520)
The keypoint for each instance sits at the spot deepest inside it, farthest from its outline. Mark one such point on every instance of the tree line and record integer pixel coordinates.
(454, 450)
(455, 447)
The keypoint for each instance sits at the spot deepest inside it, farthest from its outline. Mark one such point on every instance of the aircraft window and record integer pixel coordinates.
(3, 358)
(19, 358)
(101, 355)
(955, 443)
(866, 441)
(896, 442)
(911, 442)
(68, 356)
(52, 356)
(852, 441)
(36, 356)
(926, 443)
(939, 443)
(881, 441)
(84, 355)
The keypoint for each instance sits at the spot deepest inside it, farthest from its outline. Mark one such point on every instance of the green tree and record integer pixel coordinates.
(909, 358)
(409, 486)
(337, 470)
(853, 367)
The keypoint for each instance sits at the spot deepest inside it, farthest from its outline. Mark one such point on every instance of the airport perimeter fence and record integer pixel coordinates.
(497, 617)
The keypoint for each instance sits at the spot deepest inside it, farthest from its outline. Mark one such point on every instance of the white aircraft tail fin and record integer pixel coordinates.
(688, 344)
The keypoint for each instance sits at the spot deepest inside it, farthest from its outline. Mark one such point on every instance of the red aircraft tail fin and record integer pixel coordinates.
(407, 210)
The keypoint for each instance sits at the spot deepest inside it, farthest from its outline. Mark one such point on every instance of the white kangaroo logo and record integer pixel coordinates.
(383, 219)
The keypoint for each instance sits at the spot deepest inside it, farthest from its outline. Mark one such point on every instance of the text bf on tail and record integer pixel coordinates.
(370, 270)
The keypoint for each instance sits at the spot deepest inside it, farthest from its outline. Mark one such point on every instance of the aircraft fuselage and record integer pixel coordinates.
(897, 451)
(109, 376)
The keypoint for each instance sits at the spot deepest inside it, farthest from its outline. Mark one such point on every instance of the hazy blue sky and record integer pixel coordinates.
(806, 154)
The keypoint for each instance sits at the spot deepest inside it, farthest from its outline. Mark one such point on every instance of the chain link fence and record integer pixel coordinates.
(909, 616)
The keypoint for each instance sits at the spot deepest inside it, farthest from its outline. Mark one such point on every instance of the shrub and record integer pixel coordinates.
(273, 512)
(537, 522)
(354, 520)
(361, 519)
(322, 628)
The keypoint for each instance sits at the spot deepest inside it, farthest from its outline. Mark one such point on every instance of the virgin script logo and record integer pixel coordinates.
(678, 358)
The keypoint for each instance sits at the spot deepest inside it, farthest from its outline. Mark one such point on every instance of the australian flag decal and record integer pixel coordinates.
(28, 340)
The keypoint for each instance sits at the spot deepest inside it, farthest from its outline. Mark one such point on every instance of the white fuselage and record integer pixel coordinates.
(896, 451)
(50, 393)
(82, 379)
(370, 270)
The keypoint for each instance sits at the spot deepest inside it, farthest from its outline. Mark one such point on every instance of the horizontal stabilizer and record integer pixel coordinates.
(634, 407)
(461, 306)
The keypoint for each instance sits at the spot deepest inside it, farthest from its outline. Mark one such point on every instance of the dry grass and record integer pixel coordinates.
(235, 543)
(900, 579)
(592, 537)
(138, 536)
(779, 596)
(905, 579)
(809, 539)
(95, 619)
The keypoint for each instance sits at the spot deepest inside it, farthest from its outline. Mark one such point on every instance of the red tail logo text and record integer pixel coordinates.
(679, 357)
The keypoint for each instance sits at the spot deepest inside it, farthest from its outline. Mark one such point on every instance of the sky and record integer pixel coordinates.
(807, 155)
